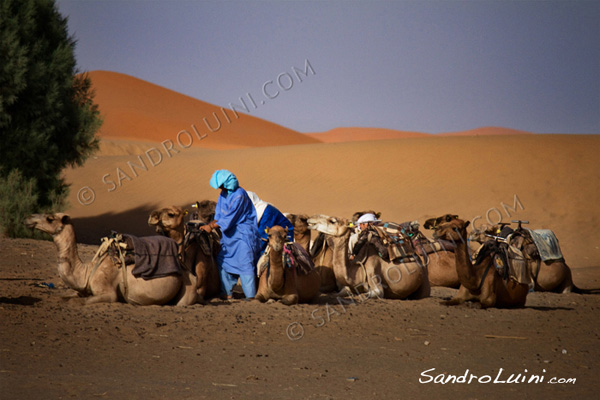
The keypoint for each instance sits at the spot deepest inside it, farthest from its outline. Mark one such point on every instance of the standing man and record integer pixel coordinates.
(236, 217)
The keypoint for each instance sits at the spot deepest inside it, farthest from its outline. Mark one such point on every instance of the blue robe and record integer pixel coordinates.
(271, 217)
(236, 217)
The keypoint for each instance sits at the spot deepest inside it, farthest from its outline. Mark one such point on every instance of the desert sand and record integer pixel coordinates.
(54, 348)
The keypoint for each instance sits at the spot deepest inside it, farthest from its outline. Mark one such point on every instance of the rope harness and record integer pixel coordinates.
(108, 243)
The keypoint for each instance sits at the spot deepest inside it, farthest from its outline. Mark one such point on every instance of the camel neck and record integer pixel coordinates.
(177, 235)
(303, 239)
(276, 273)
(344, 270)
(467, 275)
(70, 267)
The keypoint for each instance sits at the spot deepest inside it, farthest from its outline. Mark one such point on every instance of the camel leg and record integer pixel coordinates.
(290, 289)
(462, 296)
(567, 285)
(345, 292)
(262, 294)
(289, 299)
(187, 295)
(259, 296)
(110, 297)
(423, 291)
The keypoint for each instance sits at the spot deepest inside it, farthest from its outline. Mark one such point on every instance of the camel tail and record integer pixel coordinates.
(585, 291)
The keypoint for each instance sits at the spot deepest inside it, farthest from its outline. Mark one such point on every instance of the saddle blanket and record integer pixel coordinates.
(546, 243)
(155, 256)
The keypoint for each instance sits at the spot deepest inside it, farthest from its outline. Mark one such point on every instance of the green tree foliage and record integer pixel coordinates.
(48, 119)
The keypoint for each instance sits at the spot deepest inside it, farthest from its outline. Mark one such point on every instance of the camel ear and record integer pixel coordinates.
(153, 218)
(64, 218)
(286, 229)
(467, 223)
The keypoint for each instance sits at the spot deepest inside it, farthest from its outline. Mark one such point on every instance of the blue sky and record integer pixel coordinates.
(427, 66)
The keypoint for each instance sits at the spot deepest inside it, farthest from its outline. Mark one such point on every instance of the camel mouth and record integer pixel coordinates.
(29, 223)
(277, 247)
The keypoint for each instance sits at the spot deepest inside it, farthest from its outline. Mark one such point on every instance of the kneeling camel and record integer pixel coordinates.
(480, 282)
(278, 282)
(105, 281)
(199, 258)
(406, 279)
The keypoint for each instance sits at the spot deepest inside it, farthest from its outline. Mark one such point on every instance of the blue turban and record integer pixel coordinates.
(224, 178)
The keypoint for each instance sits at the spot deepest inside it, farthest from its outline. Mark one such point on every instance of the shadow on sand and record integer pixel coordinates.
(22, 300)
(90, 230)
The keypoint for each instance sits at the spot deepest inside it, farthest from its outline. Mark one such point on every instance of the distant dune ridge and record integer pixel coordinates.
(550, 180)
(338, 135)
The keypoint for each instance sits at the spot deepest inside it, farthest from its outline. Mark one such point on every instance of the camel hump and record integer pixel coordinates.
(295, 256)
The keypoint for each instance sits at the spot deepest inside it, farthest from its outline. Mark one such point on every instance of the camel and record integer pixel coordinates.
(480, 282)
(301, 231)
(438, 258)
(205, 210)
(320, 252)
(431, 223)
(407, 279)
(104, 280)
(548, 276)
(197, 256)
(290, 285)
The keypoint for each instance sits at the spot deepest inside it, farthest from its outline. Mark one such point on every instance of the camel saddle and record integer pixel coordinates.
(209, 243)
(397, 241)
(421, 243)
(153, 256)
(547, 244)
(295, 256)
(512, 264)
(321, 242)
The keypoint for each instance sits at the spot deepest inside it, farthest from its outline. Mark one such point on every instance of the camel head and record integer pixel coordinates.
(167, 219)
(479, 234)
(278, 236)
(299, 221)
(432, 223)
(454, 230)
(329, 225)
(52, 224)
(206, 210)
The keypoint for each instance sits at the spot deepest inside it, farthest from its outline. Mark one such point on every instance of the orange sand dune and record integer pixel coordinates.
(550, 180)
(139, 110)
(361, 134)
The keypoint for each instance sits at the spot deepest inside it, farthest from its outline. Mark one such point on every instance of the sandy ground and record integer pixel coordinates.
(375, 349)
